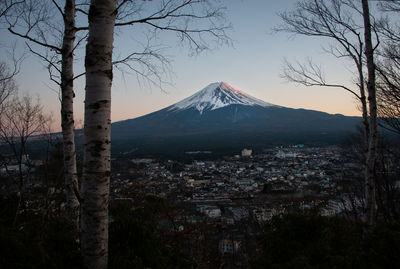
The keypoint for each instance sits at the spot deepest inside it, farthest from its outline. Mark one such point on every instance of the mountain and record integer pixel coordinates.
(221, 116)
(218, 95)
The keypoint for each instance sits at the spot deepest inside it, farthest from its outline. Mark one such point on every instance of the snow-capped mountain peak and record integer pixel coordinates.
(217, 95)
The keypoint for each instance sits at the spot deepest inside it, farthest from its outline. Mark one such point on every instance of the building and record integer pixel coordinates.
(246, 152)
(228, 246)
(281, 154)
(211, 211)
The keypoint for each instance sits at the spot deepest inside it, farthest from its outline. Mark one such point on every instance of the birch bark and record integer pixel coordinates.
(67, 114)
(96, 173)
(370, 171)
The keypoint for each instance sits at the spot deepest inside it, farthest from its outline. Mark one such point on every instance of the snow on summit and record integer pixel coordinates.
(217, 95)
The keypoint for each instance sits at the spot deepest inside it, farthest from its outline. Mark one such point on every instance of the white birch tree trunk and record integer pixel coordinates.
(370, 171)
(96, 173)
(67, 114)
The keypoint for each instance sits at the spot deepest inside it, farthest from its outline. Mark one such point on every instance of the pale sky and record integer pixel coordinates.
(253, 65)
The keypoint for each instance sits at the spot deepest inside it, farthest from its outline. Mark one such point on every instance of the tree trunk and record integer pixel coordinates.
(366, 130)
(364, 109)
(364, 104)
(96, 173)
(370, 173)
(67, 114)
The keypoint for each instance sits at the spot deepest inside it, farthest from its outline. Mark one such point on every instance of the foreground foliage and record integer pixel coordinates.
(36, 242)
(138, 240)
(51, 242)
(135, 240)
(311, 241)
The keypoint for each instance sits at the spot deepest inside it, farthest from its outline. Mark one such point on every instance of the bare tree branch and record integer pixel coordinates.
(79, 75)
(196, 23)
(390, 6)
(26, 36)
(5, 6)
(7, 84)
(182, 17)
(388, 69)
(58, 8)
(21, 119)
(310, 75)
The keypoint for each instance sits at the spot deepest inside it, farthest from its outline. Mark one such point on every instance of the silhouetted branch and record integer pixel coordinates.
(388, 70)
(182, 17)
(7, 5)
(310, 75)
(149, 64)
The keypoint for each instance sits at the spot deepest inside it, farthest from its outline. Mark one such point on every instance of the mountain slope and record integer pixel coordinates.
(223, 116)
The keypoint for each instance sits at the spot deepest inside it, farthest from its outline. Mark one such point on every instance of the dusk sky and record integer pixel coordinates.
(252, 64)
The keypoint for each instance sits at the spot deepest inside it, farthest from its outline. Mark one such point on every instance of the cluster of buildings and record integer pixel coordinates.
(309, 176)
(239, 194)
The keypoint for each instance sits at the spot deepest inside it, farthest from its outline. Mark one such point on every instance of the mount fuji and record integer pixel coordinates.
(221, 116)
(218, 95)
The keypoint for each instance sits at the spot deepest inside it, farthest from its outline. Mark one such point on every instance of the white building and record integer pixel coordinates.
(282, 154)
(211, 211)
(228, 246)
(264, 214)
(247, 152)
